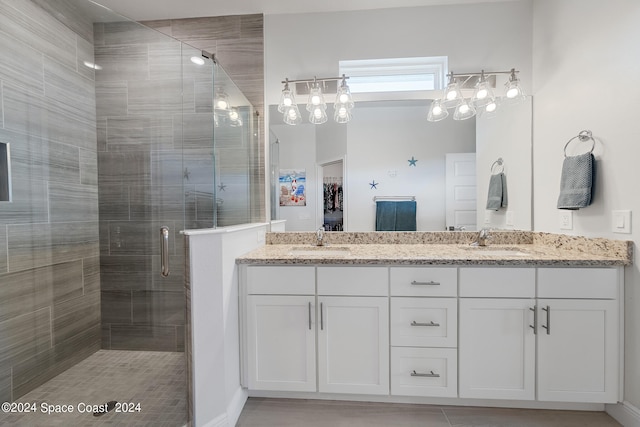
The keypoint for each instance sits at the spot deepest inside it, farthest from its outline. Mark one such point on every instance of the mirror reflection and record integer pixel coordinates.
(334, 175)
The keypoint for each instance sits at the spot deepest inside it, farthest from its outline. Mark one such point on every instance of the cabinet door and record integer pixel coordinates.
(578, 350)
(497, 349)
(353, 345)
(281, 343)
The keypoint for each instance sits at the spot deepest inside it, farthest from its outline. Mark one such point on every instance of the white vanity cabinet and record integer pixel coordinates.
(353, 330)
(564, 337)
(578, 335)
(424, 338)
(280, 328)
(496, 342)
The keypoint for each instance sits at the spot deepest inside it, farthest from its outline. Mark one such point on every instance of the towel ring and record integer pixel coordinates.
(583, 136)
(500, 164)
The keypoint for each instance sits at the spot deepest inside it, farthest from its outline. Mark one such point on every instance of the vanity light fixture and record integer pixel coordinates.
(482, 102)
(221, 100)
(316, 104)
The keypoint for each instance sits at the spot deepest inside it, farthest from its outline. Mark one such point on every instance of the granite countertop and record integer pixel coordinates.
(525, 249)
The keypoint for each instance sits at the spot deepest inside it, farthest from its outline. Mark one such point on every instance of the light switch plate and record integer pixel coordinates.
(566, 220)
(509, 218)
(487, 217)
(621, 221)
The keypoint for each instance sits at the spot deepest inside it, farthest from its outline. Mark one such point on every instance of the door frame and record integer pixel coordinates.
(320, 192)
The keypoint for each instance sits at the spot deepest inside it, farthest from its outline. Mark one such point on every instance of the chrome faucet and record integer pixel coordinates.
(320, 236)
(482, 237)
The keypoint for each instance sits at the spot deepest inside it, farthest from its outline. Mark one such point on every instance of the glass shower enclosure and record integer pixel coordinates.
(117, 133)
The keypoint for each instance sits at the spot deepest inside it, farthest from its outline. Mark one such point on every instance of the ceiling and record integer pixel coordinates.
(141, 10)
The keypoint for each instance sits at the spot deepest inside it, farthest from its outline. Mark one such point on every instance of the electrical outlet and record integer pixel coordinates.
(487, 217)
(566, 220)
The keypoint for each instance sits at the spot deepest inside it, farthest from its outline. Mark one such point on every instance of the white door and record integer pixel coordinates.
(281, 343)
(496, 349)
(461, 190)
(577, 359)
(353, 345)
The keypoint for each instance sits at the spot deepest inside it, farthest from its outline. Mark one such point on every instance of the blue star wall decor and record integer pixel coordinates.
(374, 184)
(222, 187)
(412, 162)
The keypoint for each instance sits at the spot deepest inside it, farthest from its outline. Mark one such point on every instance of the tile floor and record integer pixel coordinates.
(259, 412)
(155, 380)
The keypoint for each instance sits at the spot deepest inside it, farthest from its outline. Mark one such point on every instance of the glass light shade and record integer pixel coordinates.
(318, 115)
(513, 92)
(316, 98)
(221, 101)
(343, 96)
(286, 99)
(437, 111)
(234, 118)
(489, 110)
(291, 115)
(482, 95)
(342, 113)
(464, 110)
(452, 94)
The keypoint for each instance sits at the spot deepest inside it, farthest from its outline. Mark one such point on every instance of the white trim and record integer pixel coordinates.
(221, 230)
(624, 413)
(234, 409)
(441, 401)
(219, 421)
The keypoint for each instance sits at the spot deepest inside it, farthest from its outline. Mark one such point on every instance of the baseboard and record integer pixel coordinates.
(236, 405)
(624, 413)
(219, 421)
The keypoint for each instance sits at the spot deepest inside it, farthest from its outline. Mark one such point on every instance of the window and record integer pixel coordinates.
(395, 74)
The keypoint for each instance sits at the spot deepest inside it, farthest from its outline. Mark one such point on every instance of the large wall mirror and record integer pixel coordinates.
(389, 150)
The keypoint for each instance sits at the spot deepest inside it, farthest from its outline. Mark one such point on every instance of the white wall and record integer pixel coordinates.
(380, 143)
(218, 397)
(297, 150)
(586, 62)
(507, 135)
(490, 36)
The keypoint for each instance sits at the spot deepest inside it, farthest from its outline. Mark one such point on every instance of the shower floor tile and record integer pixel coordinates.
(151, 384)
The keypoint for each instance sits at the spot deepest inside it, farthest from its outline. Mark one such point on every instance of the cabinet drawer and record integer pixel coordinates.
(498, 282)
(582, 283)
(424, 372)
(365, 281)
(292, 280)
(424, 322)
(424, 281)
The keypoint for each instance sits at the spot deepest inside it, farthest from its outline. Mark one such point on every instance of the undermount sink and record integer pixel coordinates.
(496, 251)
(327, 251)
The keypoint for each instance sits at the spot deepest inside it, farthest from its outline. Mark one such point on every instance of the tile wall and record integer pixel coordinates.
(238, 43)
(49, 244)
(140, 104)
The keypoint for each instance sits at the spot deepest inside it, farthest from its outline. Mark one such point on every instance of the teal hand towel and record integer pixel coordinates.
(396, 216)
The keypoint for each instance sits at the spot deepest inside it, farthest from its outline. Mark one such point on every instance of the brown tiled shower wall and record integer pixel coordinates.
(147, 116)
(238, 44)
(49, 249)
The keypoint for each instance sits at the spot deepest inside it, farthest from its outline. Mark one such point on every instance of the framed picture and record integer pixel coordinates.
(293, 187)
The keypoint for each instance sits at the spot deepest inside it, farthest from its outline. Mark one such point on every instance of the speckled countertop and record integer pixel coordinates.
(440, 248)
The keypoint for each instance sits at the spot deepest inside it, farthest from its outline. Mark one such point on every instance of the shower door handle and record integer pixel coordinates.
(164, 251)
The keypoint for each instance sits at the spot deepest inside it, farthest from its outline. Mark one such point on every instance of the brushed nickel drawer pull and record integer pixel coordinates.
(429, 375)
(535, 319)
(309, 315)
(432, 323)
(430, 283)
(548, 325)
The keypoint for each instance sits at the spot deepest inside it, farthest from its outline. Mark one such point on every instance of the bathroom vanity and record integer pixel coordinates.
(423, 316)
